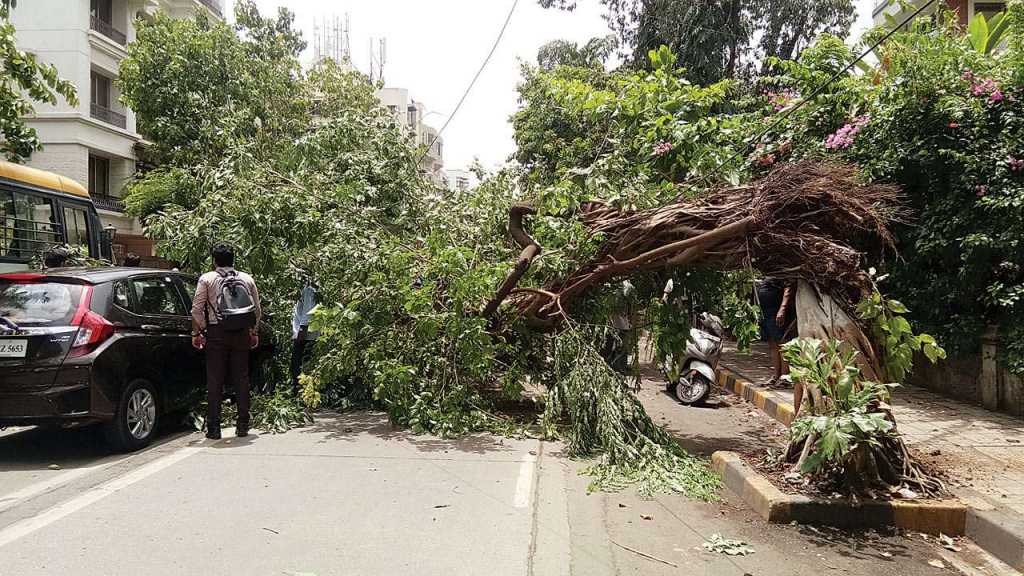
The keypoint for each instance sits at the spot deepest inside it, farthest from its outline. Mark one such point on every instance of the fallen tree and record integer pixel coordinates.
(809, 222)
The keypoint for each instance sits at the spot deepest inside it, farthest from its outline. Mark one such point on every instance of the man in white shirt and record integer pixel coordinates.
(301, 335)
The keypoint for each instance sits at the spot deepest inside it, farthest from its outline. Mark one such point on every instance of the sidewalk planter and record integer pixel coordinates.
(998, 531)
(947, 517)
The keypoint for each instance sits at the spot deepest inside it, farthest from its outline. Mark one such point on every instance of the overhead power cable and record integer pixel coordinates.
(476, 77)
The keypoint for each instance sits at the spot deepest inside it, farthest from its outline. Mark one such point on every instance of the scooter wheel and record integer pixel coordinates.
(694, 390)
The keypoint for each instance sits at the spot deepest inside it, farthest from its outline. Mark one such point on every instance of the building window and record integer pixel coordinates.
(989, 9)
(412, 116)
(99, 176)
(100, 90)
(103, 10)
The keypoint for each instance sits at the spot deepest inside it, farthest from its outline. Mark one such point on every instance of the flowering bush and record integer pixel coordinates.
(843, 138)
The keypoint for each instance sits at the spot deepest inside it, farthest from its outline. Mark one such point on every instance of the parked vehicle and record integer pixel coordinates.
(40, 209)
(692, 375)
(108, 345)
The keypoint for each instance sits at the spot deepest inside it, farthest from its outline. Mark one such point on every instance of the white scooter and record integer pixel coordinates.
(691, 377)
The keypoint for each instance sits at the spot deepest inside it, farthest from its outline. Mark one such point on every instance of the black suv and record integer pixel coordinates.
(111, 345)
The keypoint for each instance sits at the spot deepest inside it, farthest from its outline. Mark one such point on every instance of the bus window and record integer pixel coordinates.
(76, 222)
(27, 225)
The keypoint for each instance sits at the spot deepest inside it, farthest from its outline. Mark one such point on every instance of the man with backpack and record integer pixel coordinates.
(225, 319)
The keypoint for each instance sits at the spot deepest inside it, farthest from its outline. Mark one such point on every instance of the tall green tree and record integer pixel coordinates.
(25, 80)
(715, 39)
(199, 86)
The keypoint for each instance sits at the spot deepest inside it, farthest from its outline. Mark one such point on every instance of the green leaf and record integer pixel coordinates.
(977, 30)
(896, 307)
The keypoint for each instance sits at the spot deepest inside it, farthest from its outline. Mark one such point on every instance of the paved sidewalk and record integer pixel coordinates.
(982, 451)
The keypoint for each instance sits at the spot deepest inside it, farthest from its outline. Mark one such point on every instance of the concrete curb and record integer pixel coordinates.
(998, 532)
(780, 411)
(946, 517)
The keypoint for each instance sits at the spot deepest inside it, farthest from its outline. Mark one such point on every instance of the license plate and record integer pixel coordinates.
(13, 348)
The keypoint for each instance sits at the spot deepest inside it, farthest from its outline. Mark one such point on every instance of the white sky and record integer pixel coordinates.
(434, 47)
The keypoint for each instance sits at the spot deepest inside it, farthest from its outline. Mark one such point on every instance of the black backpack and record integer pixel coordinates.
(236, 309)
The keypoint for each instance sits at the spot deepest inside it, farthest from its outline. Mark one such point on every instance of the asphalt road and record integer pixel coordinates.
(352, 495)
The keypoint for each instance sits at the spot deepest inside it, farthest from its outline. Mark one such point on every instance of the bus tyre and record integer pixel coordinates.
(135, 423)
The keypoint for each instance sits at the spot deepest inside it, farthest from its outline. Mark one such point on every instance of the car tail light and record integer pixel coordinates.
(93, 329)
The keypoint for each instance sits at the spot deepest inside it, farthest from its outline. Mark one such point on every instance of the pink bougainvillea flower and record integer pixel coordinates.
(843, 138)
(995, 97)
(662, 148)
(980, 190)
(968, 75)
(1016, 164)
(954, 125)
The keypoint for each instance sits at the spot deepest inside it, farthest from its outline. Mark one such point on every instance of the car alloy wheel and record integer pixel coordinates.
(141, 414)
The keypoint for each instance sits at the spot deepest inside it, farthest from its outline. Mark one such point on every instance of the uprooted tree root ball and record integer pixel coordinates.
(800, 222)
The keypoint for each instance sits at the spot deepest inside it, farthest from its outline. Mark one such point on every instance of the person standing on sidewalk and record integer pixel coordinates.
(225, 319)
(302, 337)
(775, 297)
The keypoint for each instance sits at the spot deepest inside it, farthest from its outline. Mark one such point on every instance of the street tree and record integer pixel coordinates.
(715, 39)
(199, 86)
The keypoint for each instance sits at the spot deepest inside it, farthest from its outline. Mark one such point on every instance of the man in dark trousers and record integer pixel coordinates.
(227, 350)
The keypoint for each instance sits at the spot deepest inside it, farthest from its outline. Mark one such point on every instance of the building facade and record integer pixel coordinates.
(95, 142)
(410, 114)
(965, 9)
(461, 180)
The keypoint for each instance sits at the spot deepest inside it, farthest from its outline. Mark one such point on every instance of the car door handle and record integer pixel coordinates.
(151, 328)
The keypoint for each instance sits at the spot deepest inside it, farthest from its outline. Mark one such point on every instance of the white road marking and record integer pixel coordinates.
(29, 525)
(31, 491)
(524, 485)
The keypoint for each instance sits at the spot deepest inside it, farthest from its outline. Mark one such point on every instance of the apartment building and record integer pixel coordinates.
(965, 9)
(96, 142)
(461, 180)
(411, 114)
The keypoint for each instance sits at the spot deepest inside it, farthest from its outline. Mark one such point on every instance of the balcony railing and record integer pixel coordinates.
(108, 30)
(109, 116)
(109, 203)
(213, 5)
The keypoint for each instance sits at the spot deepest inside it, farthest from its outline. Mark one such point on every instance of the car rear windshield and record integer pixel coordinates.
(39, 303)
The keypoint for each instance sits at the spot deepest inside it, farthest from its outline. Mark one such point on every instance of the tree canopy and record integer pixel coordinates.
(716, 39)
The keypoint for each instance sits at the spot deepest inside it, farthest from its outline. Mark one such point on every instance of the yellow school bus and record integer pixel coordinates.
(39, 210)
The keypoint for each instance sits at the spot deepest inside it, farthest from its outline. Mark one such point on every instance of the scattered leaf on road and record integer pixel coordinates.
(937, 563)
(621, 505)
(886, 554)
(442, 506)
(54, 466)
(647, 517)
(721, 545)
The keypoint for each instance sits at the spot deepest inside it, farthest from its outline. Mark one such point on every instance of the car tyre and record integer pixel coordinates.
(135, 423)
